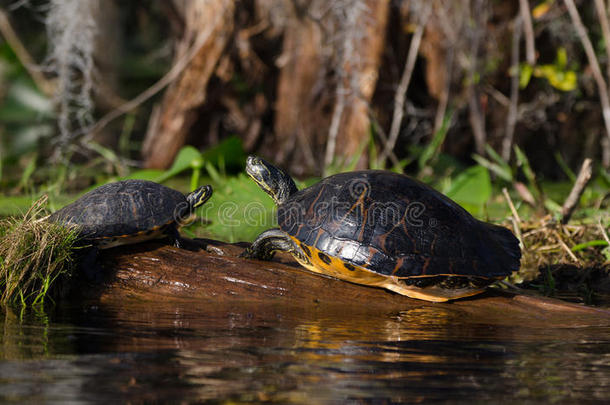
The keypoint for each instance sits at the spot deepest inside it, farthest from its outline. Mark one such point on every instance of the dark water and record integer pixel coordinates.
(195, 352)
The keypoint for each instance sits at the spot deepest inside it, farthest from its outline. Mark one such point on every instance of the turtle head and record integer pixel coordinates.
(198, 197)
(273, 180)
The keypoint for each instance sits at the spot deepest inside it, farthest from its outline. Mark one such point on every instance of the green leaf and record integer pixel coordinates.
(214, 174)
(591, 243)
(525, 74)
(145, 174)
(471, 188)
(437, 141)
(107, 153)
(14, 205)
(562, 58)
(496, 157)
(230, 150)
(340, 164)
(524, 162)
(501, 171)
(239, 210)
(564, 166)
(542, 8)
(552, 205)
(28, 171)
(564, 81)
(557, 73)
(183, 161)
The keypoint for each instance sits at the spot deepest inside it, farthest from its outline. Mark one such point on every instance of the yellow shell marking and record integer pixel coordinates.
(155, 232)
(320, 262)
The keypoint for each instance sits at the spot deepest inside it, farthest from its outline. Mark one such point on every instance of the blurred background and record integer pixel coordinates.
(470, 96)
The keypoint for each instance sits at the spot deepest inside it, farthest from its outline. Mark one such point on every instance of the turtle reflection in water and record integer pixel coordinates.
(130, 211)
(383, 229)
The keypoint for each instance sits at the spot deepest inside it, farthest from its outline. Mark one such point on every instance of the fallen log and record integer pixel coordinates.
(154, 272)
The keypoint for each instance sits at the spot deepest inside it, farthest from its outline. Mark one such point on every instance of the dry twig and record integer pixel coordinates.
(383, 136)
(335, 122)
(475, 114)
(511, 118)
(6, 29)
(168, 78)
(593, 62)
(565, 247)
(584, 176)
(525, 193)
(530, 50)
(511, 205)
(602, 15)
(443, 101)
(603, 231)
(401, 91)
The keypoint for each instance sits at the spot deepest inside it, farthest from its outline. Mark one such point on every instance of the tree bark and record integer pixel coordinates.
(354, 130)
(154, 272)
(168, 130)
(305, 106)
(298, 113)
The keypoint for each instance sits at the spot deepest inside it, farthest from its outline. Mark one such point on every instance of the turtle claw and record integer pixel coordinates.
(188, 244)
(246, 254)
(250, 253)
(215, 250)
(175, 236)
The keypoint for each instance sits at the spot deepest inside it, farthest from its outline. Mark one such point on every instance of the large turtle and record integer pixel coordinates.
(383, 229)
(130, 211)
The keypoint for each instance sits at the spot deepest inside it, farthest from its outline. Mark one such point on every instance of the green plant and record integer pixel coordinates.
(496, 165)
(239, 210)
(433, 148)
(228, 152)
(471, 189)
(549, 285)
(34, 254)
(591, 243)
(557, 74)
(345, 164)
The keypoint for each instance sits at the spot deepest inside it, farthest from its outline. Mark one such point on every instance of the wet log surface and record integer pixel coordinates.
(159, 273)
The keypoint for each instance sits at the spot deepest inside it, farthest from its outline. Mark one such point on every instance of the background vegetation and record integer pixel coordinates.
(471, 96)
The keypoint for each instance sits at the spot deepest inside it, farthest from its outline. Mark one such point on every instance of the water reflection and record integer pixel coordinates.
(200, 351)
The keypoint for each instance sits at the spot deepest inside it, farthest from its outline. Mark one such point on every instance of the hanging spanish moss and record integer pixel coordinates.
(71, 31)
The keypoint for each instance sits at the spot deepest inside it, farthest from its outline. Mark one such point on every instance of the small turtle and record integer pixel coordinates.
(383, 229)
(130, 211)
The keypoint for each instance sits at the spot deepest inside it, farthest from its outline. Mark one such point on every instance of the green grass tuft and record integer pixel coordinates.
(34, 254)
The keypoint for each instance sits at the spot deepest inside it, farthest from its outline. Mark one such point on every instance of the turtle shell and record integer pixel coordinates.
(123, 209)
(392, 225)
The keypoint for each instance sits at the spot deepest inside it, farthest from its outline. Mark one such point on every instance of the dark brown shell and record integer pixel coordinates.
(123, 208)
(394, 225)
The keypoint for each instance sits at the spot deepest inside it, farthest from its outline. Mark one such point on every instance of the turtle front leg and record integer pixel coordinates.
(174, 235)
(182, 243)
(271, 241)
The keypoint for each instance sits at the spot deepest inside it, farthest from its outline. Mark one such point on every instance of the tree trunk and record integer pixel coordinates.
(299, 113)
(315, 123)
(353, 133)
(169, 126)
